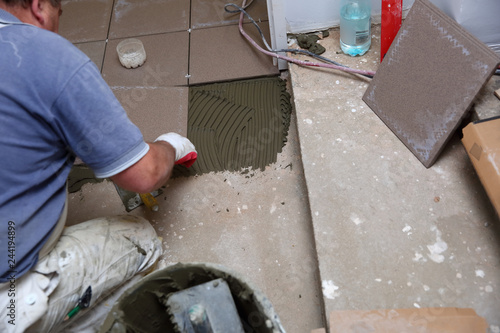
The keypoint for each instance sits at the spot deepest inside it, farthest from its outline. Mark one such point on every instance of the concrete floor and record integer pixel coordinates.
(346, 219)
(257, 224)
(390, 233)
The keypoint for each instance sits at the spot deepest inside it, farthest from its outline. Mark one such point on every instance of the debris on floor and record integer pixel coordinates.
(80, 175)
(310, 43)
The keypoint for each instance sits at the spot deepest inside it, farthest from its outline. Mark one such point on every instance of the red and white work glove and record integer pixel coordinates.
(185, 152)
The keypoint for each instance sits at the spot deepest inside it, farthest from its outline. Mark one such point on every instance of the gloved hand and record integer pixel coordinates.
(185, 152)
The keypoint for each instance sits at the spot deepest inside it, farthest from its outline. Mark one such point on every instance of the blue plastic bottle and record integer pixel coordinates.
(355, 26)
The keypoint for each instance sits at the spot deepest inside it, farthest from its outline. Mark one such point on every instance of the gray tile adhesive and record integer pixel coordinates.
(144, 307)
(428, 80)
(237, 125)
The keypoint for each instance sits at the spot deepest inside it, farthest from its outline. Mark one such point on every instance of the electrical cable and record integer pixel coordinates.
(243, 11)
(309, 53)
(275, 53)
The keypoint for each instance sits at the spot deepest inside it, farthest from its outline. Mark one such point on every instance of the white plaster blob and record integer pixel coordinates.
(480, 273)
(407, 229)
(355, 219)
(329, 289)
(436, 249)
(419, 257)
(273, 208)
(494, 329)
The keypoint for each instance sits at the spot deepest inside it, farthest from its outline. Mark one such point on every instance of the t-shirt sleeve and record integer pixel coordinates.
(95, 126)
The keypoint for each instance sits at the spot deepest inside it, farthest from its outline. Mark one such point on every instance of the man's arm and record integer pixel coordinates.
(155, 168)
(150, 172)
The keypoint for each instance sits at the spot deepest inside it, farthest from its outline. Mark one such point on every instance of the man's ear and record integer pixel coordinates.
(37, 7)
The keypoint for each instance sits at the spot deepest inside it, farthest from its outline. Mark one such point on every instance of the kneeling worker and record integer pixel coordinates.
(54, 105)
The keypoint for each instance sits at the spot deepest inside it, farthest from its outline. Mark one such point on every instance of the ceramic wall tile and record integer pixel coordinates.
(206, 14)
(85, 20)
(222, 53)
(422, 91)
(145, 17)
(155, 110)
(94, 50)
(166, 62)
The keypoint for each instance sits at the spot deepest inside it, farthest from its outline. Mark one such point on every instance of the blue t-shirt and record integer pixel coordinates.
(54, 105)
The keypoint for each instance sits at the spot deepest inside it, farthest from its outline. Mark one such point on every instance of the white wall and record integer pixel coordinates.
(479, 17)
(313, 15)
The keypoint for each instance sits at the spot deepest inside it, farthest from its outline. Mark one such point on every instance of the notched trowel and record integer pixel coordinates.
(205, 308)
(132, 200)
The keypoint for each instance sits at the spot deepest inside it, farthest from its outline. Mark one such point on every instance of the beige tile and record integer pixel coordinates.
(211, 13)
(145, 17)
(166, 62)
(221, 53)
(85, 20)
(94, 50)
(155, 110)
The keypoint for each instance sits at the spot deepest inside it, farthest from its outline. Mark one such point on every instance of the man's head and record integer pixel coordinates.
(42, 13)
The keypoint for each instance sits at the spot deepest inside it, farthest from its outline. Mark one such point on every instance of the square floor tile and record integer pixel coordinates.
(94, 50)
(155, 110)
(222, 53)
(146, 17)
(166, 62)
(422, 91)
(211, 13)
(85, 20)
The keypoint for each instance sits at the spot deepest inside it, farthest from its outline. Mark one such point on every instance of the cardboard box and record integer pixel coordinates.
(482, 142)
(425, 320)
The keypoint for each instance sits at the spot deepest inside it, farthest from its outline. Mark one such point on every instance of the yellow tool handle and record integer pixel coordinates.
(149, 200)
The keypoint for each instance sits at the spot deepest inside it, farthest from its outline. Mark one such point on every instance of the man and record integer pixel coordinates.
(54, 105)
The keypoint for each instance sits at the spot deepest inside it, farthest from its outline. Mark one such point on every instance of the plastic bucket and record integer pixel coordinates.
(140, 309)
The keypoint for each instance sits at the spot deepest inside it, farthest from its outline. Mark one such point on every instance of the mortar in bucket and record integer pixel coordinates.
(149, 305)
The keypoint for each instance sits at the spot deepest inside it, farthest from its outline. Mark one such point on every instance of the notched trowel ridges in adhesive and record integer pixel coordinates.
(206, 141)
(428, 80)
(226, 122)
(236, 125)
